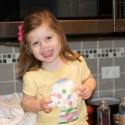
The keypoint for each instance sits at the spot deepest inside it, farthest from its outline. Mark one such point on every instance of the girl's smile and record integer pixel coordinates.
(47, 54)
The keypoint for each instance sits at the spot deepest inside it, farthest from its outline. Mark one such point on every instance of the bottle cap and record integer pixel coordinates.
(102, 102)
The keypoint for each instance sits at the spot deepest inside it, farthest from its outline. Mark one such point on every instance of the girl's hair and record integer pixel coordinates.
(27, 62)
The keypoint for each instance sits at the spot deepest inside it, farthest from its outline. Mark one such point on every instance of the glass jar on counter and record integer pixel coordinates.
(103, 113)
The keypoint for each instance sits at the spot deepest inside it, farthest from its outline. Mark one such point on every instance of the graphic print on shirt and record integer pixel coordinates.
(67, 100)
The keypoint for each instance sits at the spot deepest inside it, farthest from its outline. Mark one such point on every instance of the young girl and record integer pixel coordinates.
(50, 68)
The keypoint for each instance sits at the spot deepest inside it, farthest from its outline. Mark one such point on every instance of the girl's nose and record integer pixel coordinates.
(44, 45)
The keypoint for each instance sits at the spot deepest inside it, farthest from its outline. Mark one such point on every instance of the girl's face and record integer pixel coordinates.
(44, 44)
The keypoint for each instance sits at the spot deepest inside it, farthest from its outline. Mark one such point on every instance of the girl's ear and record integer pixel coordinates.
(28, 48)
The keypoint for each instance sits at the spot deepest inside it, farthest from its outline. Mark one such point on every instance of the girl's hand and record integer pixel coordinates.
(84, 91)
(87, 87)
(44, 104)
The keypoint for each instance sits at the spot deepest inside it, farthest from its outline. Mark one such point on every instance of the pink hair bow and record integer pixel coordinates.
(20, 37)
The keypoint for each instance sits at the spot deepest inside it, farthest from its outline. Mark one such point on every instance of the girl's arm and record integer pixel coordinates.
(90, 81)
(30, 103)
(87, 87)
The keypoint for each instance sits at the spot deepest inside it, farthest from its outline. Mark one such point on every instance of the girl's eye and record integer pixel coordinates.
(35, 43)
(48, 38)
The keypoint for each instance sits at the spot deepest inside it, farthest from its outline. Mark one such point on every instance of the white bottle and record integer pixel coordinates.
(122, 111)
(103, 113)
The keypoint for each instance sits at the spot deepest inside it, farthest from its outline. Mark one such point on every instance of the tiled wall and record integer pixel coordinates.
(97, 53)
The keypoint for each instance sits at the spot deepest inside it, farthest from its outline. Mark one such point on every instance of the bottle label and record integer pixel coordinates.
(99, 117)
(122, 117)
(121, 112)
(103, 118)
(99, 114)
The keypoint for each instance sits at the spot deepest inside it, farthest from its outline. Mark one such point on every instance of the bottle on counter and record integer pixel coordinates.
(103, 113)
(122, 111)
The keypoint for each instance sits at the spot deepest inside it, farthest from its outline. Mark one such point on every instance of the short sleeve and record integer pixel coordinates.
(85, 71)
(29, 86)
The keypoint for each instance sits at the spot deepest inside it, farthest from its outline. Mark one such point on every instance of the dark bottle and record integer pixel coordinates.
(103, 113)
(122, 111)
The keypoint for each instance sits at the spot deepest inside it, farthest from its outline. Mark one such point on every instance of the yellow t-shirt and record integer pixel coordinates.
(40, 83)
